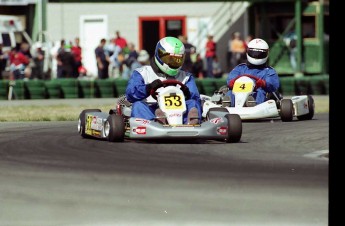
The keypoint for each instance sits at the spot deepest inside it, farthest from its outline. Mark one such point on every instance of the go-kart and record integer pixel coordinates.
(118, 125)
(302, 107)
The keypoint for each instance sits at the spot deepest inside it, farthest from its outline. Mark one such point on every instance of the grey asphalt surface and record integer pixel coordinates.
(276, 176)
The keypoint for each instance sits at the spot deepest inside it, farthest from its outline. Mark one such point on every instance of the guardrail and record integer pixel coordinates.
(107, 88)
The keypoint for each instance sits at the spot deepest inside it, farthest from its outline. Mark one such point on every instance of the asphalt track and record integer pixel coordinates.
(277, 175)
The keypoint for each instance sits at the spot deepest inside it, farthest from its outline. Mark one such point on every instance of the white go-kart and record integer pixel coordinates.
(302, 107)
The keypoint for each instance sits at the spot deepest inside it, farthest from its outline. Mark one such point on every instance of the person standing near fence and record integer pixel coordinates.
(102, 60)
(210, 53)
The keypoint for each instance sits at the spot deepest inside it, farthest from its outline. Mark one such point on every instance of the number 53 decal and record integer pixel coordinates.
(173, 102)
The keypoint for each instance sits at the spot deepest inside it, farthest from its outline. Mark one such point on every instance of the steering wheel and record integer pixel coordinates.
(183, 87)
(249, 76)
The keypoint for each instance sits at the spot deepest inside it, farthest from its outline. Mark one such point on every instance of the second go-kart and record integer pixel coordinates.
(118, 125)
(302, 107)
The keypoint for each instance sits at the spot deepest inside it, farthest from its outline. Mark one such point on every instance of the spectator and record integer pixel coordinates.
(229, 52)
(18, 62)
(102, 60)
(198, 67)
(189, 50)
(76, 51)
(132, 63)
(66, 61)
(112, 50)
(238, 50)
(210, 53)
(132, 51)
(217, 69)
(38, 58)
(290, 40)
(3, 60)
(120, 41)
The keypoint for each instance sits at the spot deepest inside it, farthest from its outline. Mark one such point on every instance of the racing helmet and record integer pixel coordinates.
(169, 55)
(257, 51)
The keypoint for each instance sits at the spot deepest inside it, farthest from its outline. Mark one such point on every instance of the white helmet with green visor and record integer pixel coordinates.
(169, 55)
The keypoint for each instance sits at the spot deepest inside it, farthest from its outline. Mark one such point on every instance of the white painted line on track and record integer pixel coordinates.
(322, 154)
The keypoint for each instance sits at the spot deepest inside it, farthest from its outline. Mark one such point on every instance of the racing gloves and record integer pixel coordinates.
(260, 83)
(153, 85)
(231, 83)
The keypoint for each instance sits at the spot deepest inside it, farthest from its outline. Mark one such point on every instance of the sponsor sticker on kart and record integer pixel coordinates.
(142, 121)
(222, 130)
(97, 123)
(139, 130)
(216, 120)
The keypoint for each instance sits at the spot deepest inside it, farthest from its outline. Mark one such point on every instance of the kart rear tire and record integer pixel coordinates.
(81, 121)
(116, 128)
(286, 110)
(311, 107)
(234, 128)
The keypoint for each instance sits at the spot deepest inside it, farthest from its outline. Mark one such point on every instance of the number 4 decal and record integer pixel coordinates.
(243, 86)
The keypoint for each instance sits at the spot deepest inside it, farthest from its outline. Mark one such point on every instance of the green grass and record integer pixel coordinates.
(46, 113)
(71, 113)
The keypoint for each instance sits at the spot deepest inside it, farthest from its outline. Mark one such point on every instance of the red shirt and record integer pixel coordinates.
(76, 51)
(120, 42)
(210, 49)
(19, 58)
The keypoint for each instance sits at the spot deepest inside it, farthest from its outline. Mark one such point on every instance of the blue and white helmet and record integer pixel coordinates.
(170, 55)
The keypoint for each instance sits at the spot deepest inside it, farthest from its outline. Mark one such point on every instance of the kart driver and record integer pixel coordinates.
(265, 77)
(165, 65)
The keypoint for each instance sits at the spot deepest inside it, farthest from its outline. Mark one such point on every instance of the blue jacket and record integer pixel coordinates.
(266, 73)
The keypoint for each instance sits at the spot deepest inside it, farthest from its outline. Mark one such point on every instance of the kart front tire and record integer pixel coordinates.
(81, 121)
(311, 108)
(234, 128)
(116, 128)
(286, 110)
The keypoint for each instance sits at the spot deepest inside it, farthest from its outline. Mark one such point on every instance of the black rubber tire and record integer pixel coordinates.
(311, 106)
(82, 121)
(234, 128)
(117, 128)
(286, 110)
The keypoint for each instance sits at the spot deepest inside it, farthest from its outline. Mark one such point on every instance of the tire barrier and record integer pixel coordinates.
(104, 88)
(112, 88)
(69, 87)
(35, 89)
(4, 89)
(87, 89)
(120, 86)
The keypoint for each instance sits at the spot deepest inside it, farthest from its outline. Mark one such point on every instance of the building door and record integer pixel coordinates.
(152, 29)
(92, 29)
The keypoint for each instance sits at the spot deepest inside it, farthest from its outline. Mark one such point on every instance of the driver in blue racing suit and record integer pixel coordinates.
(165, 65)
(265, 77)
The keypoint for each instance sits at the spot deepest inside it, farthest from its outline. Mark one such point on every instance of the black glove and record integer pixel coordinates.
(153, 86)
(186, 92)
